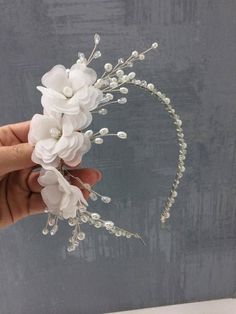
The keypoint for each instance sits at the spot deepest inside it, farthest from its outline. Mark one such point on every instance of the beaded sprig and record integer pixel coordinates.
(114, 80)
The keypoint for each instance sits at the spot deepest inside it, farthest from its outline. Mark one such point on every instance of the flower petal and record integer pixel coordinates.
(56, 78)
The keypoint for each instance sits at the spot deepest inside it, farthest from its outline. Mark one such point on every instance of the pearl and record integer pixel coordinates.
(84, 218)
(167, 100)
(150, 86)
(45, 231)
(119, 73)
(131, 75)
(96, 39)
(55, 133)
(122, 135)
(109, 96)
(106, 199)
(104, 131)
(141, 56)
(135, 54)
(89, 133)
(108, 67)
(120, 61)
(81, 236)
(68, 91)
(155, 45)
(103, 111)
(118, 233)
(124, 90)
(174, 194)
(122, 100)
(166, 214)
(98, 140)
(113, 84)
(71, 248)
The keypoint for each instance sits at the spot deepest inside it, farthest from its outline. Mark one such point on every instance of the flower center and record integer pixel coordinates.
(55, 133)
(68, 91)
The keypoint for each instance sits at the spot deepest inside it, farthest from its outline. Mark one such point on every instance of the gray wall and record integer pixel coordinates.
(195, 257)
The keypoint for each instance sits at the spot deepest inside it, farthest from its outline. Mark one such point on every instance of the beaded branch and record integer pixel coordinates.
(70, 98)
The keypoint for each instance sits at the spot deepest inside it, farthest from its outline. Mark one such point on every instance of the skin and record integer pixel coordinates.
(19, 189)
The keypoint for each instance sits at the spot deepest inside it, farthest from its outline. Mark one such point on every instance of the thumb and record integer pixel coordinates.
(15, 157)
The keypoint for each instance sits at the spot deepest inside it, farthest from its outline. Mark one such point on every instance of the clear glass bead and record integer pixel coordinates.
(106, 199)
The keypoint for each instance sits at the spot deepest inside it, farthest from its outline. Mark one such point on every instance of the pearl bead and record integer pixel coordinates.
(89, 133)
(109, 96)
(81, 236)
(108, 67)
(135, 54)
(150, 86)
(54, 230)
(98, 140)
(45, 231)
(155, 45)
(113, 84)
(141, 56)
(167, 100)
(104, 131)
(97, 54)
(98, 224)
(96, 39)
(93, 196)
(124, 90)
(119, 73)
(71, 248)
(122, 100)
(122, 135)
(68, 91)
(55, 133)
(84, 218)
(103, 111)
(131, 75)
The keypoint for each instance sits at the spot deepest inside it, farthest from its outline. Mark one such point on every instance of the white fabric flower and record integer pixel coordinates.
(70, 91)
(58, 195)
(56, 138)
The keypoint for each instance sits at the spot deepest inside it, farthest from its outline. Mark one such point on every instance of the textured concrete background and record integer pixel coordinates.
(195, 257)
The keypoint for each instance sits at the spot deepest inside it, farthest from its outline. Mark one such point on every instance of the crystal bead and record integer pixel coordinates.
(98, 224)
(84, 218)
(97, 54)
(71, 248)
(122, 100)
(98, 140)
(54, 230)
(108, 67)
(51, 221)
(108, 225)
(93, 196)
(72, 222)
(122, 135)
(103, 111)
(118, 233)
(96, 39)
(95, 216)
(167, 100)
(106, 199)
(128, 235)
(81, 236)
(120, 61)
(141, 56)
(45, 231)
(124, 90)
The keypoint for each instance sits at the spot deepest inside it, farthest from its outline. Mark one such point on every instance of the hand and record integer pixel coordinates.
(19, 188)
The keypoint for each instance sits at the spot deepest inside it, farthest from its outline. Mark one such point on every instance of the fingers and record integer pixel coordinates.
(86, 175)
(15, 157)
(36, 204)
(20, 130)
(33, 183)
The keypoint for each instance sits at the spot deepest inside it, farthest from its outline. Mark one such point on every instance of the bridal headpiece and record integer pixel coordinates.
(70, 98)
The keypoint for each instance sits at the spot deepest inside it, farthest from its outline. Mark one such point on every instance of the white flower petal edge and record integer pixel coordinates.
(59, 195)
